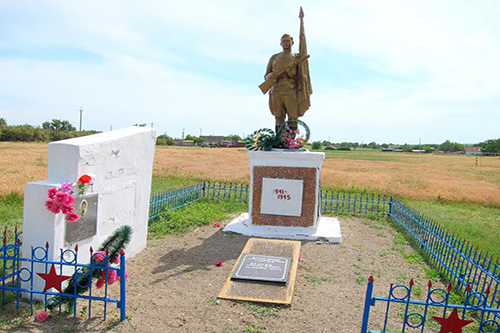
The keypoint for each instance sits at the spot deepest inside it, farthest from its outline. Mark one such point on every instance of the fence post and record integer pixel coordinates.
(123, 294)
(203, 188)
(368, 302)
(390, 206)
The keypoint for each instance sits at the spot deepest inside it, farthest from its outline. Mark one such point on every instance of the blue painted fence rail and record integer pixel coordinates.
(415, 313)
(331, 202)
(17, 276)
(456, 259)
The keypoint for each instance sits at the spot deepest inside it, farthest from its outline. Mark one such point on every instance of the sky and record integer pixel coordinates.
(384, 71)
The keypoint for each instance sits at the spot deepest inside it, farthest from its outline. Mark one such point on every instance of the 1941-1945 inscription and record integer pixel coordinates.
(262, 268)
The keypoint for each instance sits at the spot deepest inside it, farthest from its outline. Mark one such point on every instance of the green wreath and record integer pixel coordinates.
(290, 137)
(262, 139)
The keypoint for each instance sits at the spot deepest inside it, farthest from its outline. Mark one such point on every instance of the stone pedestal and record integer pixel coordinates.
(285, 198)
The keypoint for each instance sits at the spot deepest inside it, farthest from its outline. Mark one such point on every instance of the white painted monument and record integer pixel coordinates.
(120, 164)
(285, 198)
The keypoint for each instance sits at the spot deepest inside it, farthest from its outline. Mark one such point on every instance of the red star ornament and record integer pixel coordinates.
(52, 280)
(452, 324)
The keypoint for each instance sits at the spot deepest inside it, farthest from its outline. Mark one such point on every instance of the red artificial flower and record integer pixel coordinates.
(218, 264)
(217, 224)
(85, 179)
(100, 282)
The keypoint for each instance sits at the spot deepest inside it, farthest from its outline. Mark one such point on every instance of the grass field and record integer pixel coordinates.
(460, 192)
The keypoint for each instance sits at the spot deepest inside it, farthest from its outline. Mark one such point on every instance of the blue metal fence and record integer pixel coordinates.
(331, 202)
(354, 203)
(18, 276)
(456, 259)
(415, 313)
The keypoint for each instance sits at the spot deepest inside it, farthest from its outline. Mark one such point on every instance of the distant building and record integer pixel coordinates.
(214, 139)
(471, 150)
(187, 143)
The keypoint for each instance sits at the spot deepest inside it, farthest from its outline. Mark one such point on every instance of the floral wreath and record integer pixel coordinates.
(61, 198)
(287, 136)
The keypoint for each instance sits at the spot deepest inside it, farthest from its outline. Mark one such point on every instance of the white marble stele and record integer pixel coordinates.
(121, 165)
(290, 198)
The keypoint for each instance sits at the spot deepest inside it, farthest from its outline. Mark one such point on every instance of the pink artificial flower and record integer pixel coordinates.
(66, 187)
(72, 217)
(61, 197)
(65, 208)
(218, 264)
(85, 179)
(53, 206)
(42, 316)
(70, 199)
(100, 282)
(117, 260)
(118, 277)
(52, 192)
(126, 276)
(99, 256)
(217, 224)
(301, 259)
(112, 276)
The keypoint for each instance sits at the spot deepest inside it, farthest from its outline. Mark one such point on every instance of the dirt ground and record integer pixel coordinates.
(173, 285)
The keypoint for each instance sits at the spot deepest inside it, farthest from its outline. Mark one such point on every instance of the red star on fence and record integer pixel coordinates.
(452, 324)
(52, 280)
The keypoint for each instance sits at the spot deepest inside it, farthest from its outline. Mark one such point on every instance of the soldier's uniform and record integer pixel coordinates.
(283, 94)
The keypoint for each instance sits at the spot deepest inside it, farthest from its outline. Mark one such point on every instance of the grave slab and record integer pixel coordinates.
(257, 288)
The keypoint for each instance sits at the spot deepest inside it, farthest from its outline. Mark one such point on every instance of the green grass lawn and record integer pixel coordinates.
(475, 223)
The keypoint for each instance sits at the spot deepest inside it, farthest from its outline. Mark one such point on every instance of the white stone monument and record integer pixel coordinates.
(285, 198)
(120, 163)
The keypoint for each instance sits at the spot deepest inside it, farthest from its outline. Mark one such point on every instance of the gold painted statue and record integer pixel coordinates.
(287, 80)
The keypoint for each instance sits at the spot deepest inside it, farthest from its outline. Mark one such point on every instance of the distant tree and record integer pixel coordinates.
(197, 141)
(3, 122)
(448, 146)
(316, 145)
(164, 140)
(235, 138)
(490, 146)
(26, 133)
(372, 145)
(59, 129)
(326, 143)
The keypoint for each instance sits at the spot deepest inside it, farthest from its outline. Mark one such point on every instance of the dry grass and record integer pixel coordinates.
(419, 176)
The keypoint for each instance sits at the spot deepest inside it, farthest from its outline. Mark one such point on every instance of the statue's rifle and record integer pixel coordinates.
(268, 83)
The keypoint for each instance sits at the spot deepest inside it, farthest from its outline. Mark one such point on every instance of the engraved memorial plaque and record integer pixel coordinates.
(262, 268)
(86, 226)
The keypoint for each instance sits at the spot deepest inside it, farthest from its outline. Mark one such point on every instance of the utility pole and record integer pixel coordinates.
(81, 112)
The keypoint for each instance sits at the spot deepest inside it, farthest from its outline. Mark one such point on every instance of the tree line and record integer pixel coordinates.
(487, 147)
(58, 129)
(53, 130)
